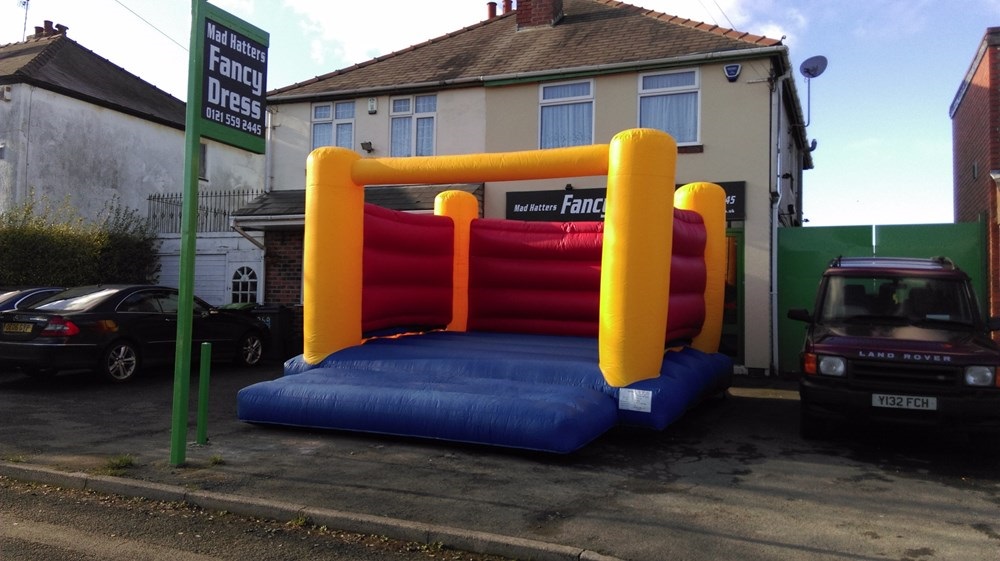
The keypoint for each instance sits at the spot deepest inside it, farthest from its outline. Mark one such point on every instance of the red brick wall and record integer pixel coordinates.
(283, 266)
(283, 279)
(976, 151)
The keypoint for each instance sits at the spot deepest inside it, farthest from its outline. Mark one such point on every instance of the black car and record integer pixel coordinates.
(117, 329)
(24, 297)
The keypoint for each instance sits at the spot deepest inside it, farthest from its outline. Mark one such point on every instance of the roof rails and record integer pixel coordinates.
(939, 262)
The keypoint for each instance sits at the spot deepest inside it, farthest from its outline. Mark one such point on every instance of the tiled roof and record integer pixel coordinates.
(395, 197)
(57, 63)
(591, 34)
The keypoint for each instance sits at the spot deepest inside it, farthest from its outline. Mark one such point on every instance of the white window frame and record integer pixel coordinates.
(334, 122)
(412, 119)
(543, 103)
(694, 88)
(245, 285)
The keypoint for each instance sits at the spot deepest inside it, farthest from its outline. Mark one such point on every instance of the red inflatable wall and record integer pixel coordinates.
(544, 277)
(406, 270)
(535, 277)
(688, 275)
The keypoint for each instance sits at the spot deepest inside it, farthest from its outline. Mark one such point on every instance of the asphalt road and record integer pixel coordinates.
(730, 480)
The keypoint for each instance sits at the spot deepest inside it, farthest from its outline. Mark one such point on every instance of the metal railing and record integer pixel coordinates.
(214, 209)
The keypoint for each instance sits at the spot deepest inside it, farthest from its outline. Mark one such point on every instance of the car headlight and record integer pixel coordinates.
(832, 366)
(979, 375)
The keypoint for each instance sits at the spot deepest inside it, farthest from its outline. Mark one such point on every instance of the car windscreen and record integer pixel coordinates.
(74, 299)
(903, 299)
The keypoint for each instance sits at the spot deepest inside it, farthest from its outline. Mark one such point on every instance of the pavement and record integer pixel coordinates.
(730, 480)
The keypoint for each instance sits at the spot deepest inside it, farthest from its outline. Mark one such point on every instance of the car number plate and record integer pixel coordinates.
(904, 401)
(17, 327)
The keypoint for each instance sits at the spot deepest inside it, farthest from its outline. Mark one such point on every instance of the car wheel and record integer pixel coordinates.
(250, 350)
(120, 362)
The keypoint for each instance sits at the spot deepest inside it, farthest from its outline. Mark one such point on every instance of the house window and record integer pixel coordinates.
(411, 125)
(244, 285)
(669, 101)
(333, 124)
(567, 114)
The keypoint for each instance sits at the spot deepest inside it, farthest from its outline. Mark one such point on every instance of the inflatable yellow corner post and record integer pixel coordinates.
(462, 208)
(332, 253)
(635, 263)
(709, 200)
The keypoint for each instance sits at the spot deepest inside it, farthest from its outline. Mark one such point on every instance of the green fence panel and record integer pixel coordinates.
(963, 243)
(803, 255)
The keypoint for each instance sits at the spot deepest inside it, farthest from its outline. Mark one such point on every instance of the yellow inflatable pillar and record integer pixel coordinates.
(332, 253)
(462, 208)
(709, 200)
(635, 263)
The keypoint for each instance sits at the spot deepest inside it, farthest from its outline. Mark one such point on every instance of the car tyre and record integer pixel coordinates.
(120, 362)
(250, 350)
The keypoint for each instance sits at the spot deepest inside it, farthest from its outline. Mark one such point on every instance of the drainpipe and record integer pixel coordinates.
(777, 111)
(268, 178)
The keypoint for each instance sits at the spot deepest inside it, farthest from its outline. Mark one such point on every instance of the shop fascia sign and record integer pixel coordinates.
(574, 204)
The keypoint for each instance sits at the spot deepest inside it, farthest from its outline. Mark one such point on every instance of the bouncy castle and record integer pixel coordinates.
(532, 335)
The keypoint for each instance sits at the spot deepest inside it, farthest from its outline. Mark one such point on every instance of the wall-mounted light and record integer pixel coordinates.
(367, 146)
(372, 105)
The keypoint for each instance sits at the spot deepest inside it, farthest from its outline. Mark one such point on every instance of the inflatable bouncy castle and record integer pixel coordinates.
(534, 335)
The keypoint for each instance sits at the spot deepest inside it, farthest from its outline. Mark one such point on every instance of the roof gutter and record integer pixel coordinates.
(502, 79)
(242, 223)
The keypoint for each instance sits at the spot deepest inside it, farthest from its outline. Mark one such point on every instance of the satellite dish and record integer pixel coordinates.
(813, 66)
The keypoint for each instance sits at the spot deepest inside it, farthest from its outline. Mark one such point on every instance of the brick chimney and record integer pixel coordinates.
(48, 30)
(538, 13)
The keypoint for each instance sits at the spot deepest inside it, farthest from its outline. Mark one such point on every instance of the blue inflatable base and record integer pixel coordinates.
(531, 392)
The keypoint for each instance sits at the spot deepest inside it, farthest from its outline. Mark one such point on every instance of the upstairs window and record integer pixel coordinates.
(567, 114)
(670, 102)
(412, 123)
(333, 124)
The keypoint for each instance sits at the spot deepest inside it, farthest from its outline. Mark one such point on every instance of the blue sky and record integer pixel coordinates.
(879, 113)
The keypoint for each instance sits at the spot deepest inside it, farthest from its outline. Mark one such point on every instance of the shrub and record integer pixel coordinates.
(42, 244)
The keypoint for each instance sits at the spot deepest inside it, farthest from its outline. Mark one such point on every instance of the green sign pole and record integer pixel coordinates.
(227, 79)
(189, 231)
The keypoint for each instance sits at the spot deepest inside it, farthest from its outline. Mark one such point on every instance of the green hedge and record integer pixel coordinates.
(42, 245)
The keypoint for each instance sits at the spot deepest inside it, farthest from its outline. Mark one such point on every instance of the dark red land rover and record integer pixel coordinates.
(899, 340)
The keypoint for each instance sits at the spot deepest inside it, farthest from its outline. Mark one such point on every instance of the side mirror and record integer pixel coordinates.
(800, 314)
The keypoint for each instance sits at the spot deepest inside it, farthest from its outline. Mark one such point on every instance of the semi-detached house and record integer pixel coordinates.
(552, 73)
